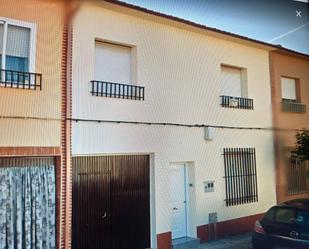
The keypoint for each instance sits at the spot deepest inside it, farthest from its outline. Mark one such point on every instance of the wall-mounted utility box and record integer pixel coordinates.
(209, 186)
(208, 133)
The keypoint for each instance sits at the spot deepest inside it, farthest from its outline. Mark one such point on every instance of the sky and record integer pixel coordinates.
(283, 22)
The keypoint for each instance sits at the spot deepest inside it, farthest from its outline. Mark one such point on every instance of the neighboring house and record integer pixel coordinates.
(290, 101)
(32, 87)
(146, 168)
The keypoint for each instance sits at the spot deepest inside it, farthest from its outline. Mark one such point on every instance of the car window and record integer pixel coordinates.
(302, 218)
(269, 216)
(285, 215)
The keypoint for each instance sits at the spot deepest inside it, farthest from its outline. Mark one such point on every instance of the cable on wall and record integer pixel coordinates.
(31, 118)
(184, 125)
(154, 123)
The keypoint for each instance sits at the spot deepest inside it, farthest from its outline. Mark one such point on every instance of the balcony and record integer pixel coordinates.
(20, 80)
(291, 105)
(236, 102)
(116, 90)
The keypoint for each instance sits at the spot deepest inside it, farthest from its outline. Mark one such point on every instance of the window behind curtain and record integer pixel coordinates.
(17, 48)
(112, 63)
(288, 89)
(231, 81)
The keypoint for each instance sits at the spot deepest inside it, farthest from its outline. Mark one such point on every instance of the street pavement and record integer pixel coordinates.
(233, 242)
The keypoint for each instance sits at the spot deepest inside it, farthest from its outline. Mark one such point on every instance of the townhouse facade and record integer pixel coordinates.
(167, 130)
(32, 86)
(290, 90)
(142, 129)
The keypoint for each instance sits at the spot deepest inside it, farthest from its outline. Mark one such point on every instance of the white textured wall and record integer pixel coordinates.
(181, 74)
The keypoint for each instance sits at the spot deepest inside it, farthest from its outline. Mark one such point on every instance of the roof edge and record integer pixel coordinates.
(278, 48)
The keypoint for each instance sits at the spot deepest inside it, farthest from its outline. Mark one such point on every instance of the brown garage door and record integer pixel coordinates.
(111, 205)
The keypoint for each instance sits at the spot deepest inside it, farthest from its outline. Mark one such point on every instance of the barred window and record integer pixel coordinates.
(240, 176)
(297, 174)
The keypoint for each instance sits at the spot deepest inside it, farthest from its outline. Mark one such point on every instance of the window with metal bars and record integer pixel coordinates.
(240, 176)
(298, 177)
(297, 173)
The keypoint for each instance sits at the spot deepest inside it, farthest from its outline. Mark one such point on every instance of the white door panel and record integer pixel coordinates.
(178, 201)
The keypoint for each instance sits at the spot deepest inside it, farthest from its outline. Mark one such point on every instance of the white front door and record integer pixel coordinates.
(178, 198)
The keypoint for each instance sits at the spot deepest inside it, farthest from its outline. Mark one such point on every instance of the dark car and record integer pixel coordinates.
(283, 226)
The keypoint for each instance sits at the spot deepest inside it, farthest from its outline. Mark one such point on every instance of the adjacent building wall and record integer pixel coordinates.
(180, 70)
(30, 120)
(298, 68)
(47, 16)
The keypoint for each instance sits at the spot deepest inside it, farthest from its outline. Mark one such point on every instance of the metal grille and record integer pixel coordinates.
(240, 176)
(236, 102)
(20, 80)
(292, 106)
(298, 178)
(116, 90)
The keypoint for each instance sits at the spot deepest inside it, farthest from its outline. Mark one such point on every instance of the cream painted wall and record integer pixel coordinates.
(47, 15)
(181, 74)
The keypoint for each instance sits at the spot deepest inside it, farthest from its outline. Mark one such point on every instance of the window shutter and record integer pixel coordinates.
(112, 63)
(231, 81)
(18, 41)
(288, 88)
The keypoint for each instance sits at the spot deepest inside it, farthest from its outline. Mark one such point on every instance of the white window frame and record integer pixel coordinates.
(32, 49)
(296, 86)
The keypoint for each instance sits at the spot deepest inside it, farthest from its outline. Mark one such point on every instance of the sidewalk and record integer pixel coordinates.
(233, 242)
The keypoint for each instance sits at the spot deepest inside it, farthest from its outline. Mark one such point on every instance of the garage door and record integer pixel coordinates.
(111, 205)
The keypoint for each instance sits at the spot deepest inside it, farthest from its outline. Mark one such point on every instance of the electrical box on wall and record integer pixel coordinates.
(208, 133)
(209, 186)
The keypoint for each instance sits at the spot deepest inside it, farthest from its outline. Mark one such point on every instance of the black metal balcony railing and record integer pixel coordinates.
(20, 80)
(116, 90)
(290, 105)
(236, 102)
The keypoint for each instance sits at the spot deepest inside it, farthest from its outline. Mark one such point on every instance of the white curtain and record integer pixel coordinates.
(27, 207)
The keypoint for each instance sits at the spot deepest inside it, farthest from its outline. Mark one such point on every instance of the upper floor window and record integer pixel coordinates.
(290, 94)
(15, 47)
(17, 55)
(113, 72)
(112, 63)
(231, 81)
(233, 85)
(288, 89)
